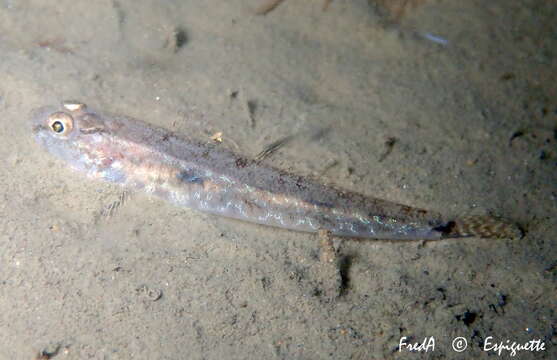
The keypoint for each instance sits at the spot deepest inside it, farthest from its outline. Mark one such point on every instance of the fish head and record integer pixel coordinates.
(73, 134)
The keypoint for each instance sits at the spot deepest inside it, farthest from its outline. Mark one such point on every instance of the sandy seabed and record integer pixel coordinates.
(443, 104)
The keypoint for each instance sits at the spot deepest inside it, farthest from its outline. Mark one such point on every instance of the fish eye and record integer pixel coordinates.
(61, 123)
(58, 127)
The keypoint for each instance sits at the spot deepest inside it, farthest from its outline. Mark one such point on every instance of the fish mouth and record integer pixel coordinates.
(37, 128)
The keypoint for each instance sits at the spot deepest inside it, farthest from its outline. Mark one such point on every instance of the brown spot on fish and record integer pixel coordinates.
(211, 186)
(91, 130)
(300, 183)
(241, 162)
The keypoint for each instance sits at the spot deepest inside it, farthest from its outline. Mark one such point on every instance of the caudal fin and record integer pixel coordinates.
(483, 227)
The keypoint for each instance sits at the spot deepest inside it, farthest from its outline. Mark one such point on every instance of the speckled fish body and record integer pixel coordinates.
(209, 178)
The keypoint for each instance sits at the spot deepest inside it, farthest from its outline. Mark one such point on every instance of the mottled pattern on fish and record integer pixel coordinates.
(209, 178)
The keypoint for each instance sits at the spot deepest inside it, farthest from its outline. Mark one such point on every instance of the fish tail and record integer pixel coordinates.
(482, 227)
